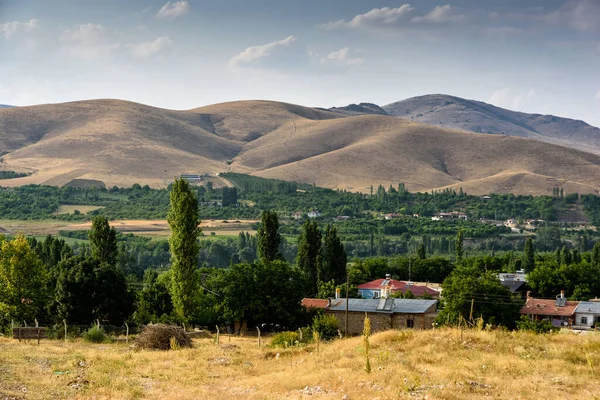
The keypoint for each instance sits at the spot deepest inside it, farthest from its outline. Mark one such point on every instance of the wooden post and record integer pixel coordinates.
(258, 329)
(126, 333)
(12, 328)
(65, 323)
(300, 333)
(19, 334)
(217, 334)
(347, 286)
(98, 323)
(38, 335)
(471, 314)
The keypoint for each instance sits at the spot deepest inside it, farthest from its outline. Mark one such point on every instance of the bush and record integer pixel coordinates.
(163, 337)
(285, 339)
(525, 324)
(326, 325)
(95, 335)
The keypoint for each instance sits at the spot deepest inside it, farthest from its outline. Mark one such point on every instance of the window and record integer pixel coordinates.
(376, 294)
(583, 320)
(410, 323)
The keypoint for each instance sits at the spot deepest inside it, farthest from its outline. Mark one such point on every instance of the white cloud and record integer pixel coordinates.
(148, 49)
(512, 100)
(256, 55)
(375, 17)
(441, 14)
(173, 10)
(8, 29)
(87, 41)
(342, 58)
(581, 15)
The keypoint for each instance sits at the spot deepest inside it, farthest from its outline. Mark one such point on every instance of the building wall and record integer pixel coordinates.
(590, 319)
(380, 321)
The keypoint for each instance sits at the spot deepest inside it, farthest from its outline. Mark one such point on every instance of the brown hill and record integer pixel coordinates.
(121, 143)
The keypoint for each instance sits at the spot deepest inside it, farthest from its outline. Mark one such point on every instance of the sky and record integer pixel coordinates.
(539, 56)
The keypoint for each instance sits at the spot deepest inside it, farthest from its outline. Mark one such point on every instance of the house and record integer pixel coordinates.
(310, 303)
(297, 215)
(384, 314)
(391, 216)
(587, 315)
(511, 223)
(448, 216)
(516, 282)
(342, 218)
(314, 214)
(485, 197)
(384, 288)
(560, 311)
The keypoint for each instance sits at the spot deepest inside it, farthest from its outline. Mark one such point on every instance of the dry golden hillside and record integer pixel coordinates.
(121, 143)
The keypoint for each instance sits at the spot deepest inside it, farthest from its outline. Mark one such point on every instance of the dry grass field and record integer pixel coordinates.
(121, 143)
(440, 364)
(70, 209)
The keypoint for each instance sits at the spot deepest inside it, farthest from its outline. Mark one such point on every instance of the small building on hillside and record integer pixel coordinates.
(561, 312)
(392, 216)
(297, 215)
(342, 218)
(384, 288)
(587, 315)
(516, 282)
(384, 314)
(449, 216)
(314, 214)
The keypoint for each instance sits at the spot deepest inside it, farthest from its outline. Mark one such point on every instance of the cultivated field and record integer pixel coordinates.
(152, 228)
(70, 209)
(441, 364)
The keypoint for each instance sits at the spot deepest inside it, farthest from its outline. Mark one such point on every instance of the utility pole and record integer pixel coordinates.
(471, 314)
(347, 286)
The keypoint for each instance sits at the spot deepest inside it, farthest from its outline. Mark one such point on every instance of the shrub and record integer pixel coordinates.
(95, 335)
(285, 339)
(525, 324)
(326, 326)
(163, 337)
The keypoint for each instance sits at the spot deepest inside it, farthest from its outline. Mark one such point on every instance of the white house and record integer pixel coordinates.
(314, 214)
(587, 315)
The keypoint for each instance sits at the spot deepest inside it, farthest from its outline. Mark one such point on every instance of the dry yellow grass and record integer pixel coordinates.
(121, 143)
(70, 209)
(412, 365)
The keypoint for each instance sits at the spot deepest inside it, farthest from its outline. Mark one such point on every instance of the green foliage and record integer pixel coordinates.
(95, 335)
(154, 300)
(309, 253)
(580, 281)
(459, 245)
(543, 326)
(103, 241)
(529, 256)
(184, 223)
(326, 326)
(13, 174)
(285, 339)
(333, 261)
(269, 238)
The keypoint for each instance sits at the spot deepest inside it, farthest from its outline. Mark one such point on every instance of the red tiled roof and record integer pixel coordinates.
(549, 307)
(314, 303)
(395, 286)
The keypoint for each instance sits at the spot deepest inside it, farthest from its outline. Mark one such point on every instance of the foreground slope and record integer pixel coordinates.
(475, 116)
(437, 364)
(121, 143)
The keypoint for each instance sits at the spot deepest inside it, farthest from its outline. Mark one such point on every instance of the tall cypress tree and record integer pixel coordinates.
(459, 246)
(333, 260)
(596, 254)
(269, 237)
(103, 241)
(309, 253)
(184, 247)
(529, 259)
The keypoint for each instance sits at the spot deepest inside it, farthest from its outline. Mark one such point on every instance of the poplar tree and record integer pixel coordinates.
(333, 260)
(596, 254)
(309, 253)
(103, 241)
(269, 238)
(529, 259)
(184, 247)
(459, 246)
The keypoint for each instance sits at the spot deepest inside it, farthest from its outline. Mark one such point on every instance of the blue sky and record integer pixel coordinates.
(534, 56)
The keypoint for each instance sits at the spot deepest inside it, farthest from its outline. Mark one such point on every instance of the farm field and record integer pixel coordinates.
(439, 364)
(70, 209)
(151, 228)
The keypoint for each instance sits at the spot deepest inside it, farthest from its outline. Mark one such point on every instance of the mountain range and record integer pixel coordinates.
(121, 143)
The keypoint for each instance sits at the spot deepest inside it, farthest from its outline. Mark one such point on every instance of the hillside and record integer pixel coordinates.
(475, 116)
(435, 364)
(121, 143)
(360, 109)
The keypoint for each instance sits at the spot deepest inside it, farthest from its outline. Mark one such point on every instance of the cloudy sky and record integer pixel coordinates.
(529, 55)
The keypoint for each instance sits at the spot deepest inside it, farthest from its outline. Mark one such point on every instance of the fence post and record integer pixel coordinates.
(38, 336)
(300, 332)
(217, 334)
(65, 323)
(12, 328)
(126, 333)
(258, 329)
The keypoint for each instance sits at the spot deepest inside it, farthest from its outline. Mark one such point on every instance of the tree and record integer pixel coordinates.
(309, 253)
(87, 289)
(596, 254)
(490, 300)
(103, 241)
(421, 253)
(459, 246)
(184, 247)
(333, 260)
(23, 278)
(154, 300)
(269, 238)
(529, 257)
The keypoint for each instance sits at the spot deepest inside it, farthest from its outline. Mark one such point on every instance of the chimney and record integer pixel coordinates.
(562, 294)
(388, 276)
(337, 293)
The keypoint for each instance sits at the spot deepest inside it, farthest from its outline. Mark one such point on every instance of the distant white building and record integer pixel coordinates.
(448, 216)
(314, 214)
